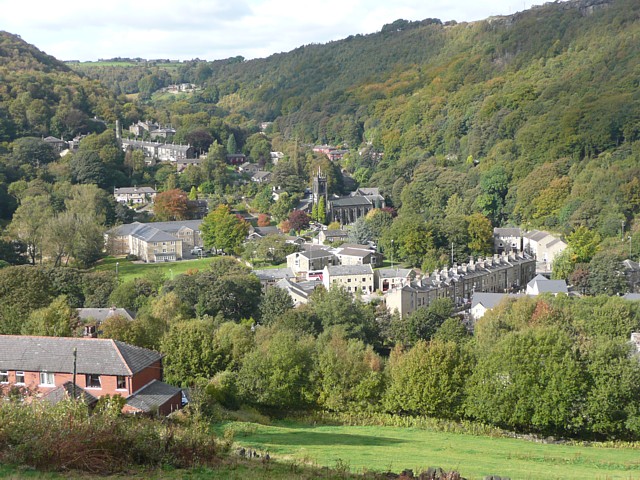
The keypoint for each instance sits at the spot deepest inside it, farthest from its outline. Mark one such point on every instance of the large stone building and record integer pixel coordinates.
(500, 273)
(154, 242)
(345, 210)
(353, 278)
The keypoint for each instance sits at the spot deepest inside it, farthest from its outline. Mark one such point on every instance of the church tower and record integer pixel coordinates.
(319, 188)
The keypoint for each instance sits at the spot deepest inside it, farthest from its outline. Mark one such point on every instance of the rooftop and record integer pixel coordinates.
(55, 354)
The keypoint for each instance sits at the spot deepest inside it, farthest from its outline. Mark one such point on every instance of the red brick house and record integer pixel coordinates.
(42, 365)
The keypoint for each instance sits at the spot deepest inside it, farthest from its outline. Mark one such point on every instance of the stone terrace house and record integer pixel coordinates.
(354, 254)
(41, 365)
(154, 242)
(135, 195)
(500, 273)
(507, 240)
(353, 278)
(310, 261)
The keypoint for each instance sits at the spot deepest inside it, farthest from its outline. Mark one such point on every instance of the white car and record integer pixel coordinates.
(196, 251)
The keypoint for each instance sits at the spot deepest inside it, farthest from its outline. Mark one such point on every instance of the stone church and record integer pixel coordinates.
(345, 210)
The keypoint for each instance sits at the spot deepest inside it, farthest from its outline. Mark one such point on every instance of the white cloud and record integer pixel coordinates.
(214, 29)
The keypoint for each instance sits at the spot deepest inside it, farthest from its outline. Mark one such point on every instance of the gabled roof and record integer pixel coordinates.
(350, 201)
(490, 300)
(274, 273)
(335, 233)
(507, 232)
(124, 190)
(101, 314)
(311, 254)
(152, 396)
(67, 391)
(337, 270)
(394, 272)
(152, 234)
(260, 174)
(354, 252)
(55, 354)
(544, 285)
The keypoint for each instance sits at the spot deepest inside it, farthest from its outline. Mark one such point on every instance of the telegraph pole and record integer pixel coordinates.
(75, 361)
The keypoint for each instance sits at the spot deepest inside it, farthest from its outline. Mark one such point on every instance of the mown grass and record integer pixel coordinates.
(128, 270)
(394, 448)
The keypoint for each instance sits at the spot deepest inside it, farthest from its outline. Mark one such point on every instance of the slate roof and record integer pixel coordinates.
(319, 253)
(274, 273)
(354, 201)
(261, 174)
(634, 297)
(335, 233)
(66, 391)
(55, 354)
(349, 269)
(548, 286)
(101, 314)
(146, 231)
(264, 231)
(394, 272)
(490, 300)
(134, 190)
(152, 396)
(507, 232)
(152, 234)
(289, 286)
(354, 252)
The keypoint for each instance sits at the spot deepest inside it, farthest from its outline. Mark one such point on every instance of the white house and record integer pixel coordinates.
(541, 284)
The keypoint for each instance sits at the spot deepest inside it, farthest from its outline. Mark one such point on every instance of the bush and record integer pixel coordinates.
(67, 437)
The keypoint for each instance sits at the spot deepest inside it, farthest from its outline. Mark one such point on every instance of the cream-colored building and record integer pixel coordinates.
(498, 274)
(154, 242)
(353, 278)
(136, 195)
(310, 261)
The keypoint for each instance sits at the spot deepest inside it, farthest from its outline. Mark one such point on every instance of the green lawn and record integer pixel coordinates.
(128, 270)
(395, 448)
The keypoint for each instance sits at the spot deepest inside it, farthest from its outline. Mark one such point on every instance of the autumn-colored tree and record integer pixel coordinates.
(284, 226)
(264, 220)
(299, 220)
(171, 205)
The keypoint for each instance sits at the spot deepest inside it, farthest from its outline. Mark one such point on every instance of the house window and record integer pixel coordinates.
(93, 380)
(121, 382)
(47, 379)
(19, 378)
(4, 376)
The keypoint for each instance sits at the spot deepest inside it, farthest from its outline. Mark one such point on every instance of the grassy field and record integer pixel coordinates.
(394, 448)
(128, 270)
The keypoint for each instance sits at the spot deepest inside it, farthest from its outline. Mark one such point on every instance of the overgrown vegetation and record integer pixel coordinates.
(68, 437)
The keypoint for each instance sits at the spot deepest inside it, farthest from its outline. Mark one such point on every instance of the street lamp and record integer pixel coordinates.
(391, 254)
(117, 277)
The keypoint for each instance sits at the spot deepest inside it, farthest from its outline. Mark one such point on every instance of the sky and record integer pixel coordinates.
(216, 29)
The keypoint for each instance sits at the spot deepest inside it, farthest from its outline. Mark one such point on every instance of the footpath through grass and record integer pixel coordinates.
(396, 448)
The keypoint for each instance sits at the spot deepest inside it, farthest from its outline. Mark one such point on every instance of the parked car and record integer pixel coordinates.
(196, 251)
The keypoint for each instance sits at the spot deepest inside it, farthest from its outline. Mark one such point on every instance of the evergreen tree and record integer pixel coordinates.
(232, 146)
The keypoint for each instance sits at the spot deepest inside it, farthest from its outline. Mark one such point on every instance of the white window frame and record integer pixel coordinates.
(4, 374)
(45, 377)
(18, 375)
